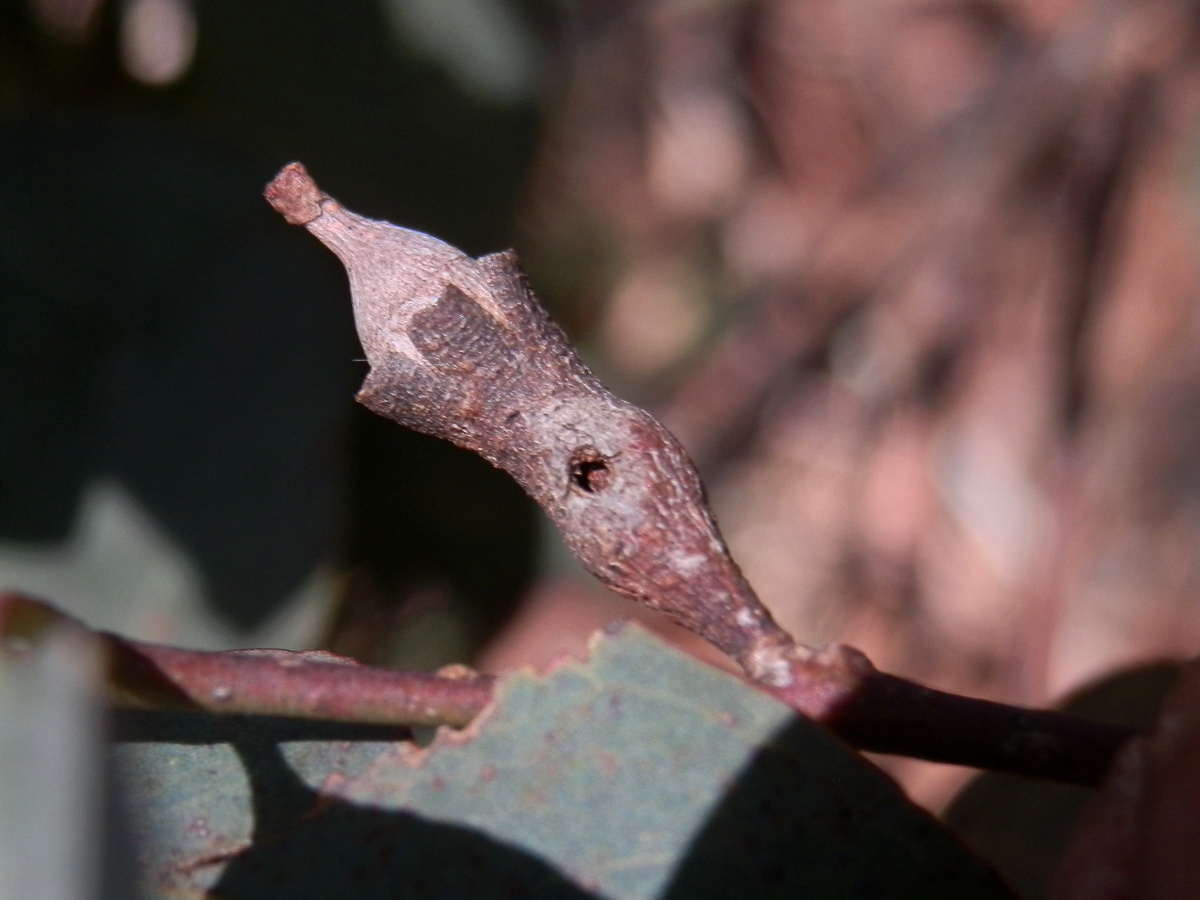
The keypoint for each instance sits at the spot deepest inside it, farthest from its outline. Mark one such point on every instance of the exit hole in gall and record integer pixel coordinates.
(590, 471)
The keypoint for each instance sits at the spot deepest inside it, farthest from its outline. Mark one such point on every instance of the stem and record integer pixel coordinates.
(868, 709)
(882, 713)
(460, 349)
(314, 685)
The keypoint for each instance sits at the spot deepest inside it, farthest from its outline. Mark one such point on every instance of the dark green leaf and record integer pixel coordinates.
(642, 773)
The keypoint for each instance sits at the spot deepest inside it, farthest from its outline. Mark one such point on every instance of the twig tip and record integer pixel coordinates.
(294, 195)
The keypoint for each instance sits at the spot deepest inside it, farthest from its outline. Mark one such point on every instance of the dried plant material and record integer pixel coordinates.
(460, 349)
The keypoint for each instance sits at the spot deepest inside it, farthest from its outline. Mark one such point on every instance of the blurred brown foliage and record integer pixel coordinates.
(915, 282)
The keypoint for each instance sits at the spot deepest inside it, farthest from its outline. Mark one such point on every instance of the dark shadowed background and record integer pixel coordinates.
(180, 454)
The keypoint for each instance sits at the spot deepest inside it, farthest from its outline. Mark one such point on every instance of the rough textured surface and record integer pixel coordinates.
(460, 349)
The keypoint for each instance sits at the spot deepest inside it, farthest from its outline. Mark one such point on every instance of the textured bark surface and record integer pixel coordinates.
(460, 349)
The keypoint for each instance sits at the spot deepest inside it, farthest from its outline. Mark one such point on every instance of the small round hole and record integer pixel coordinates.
(590, 471)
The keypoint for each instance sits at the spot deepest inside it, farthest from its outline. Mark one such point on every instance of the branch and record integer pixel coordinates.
(315, 685)
(880, 713)
(459, 348)
(886, 714)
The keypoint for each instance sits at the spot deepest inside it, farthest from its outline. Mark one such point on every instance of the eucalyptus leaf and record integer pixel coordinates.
(641, 773)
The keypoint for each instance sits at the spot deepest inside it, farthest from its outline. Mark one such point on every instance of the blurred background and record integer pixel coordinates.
(914, 281)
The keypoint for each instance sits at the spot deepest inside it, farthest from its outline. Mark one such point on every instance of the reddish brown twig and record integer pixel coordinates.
(886, 714)
(874, 712)
(459, 348)
(266, 682)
